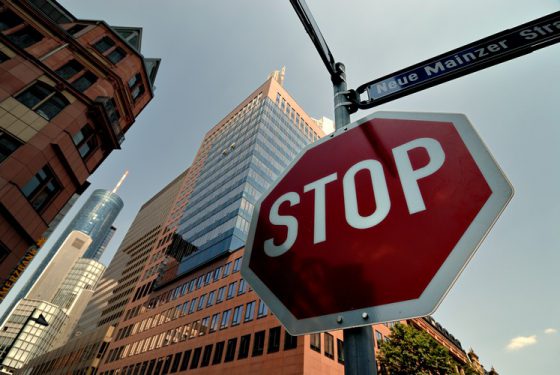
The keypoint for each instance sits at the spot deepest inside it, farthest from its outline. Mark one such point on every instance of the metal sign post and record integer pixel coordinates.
(359, 356)
(358, 342)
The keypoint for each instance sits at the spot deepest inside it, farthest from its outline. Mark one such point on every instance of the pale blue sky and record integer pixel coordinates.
(216, 52)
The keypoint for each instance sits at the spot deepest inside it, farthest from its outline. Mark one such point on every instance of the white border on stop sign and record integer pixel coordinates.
(443, 280)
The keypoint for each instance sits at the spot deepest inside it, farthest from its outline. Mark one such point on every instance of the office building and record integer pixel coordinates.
(60, 295)
(95, 218)
(70, 89)
(186, 306)
(124, 280)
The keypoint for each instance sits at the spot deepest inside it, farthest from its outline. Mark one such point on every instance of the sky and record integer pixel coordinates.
(214, 53)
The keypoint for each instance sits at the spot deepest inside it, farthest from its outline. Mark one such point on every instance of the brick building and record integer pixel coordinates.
(69, 91)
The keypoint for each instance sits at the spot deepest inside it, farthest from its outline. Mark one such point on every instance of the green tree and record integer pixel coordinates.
(411, 351)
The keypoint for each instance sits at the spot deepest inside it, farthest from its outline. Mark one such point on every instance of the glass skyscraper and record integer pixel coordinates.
(95, 219)
(238, 160)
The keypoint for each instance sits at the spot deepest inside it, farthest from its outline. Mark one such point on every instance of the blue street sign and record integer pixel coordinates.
(475, 56)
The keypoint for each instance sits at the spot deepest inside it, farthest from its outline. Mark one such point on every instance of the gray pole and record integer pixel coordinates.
(359, 356)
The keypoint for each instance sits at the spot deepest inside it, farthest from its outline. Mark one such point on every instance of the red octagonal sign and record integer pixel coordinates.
(373, 223)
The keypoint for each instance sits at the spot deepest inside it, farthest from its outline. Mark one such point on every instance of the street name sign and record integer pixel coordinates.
(475, 56)
(373, 223)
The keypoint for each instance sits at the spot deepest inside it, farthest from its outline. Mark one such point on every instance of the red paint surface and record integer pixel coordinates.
(391, 262)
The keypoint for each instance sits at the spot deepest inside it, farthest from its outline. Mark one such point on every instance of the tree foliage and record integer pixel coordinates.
(411, 351)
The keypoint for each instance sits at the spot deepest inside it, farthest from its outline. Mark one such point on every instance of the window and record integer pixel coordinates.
(378, 338)
(206, 356)
(85, 81)
(231, 290)
(329, 345)
(196, 357)
(195, 329)
(25, 37)
(217, 273)
(9, 19)
(4, 251)
(315, 342)
(208, 278)
(242, 287)
(218, 352)
(41, 188)
(104, 44)
(76, 29)
(3, 57)
(211, 297)
(274, 340)
(8, 144)
(199, 282)
(258, 344)
(134, 80)
(43, 99)
(340, 350)
(244, 344)
(237, 315)
(221, 293)
(193, 305)
(230, 351)
(250, 311)
(185, 308)
(176, 362)
(237, 265)
(214, 322)
(166, 365)
(185, 363)
(263, 309)
(225, 319)
(85, 141)
(290, 342)
(201, 302)
(192, 285)
(116, 55)
(227, 269)
(204, 326)
(70, 69)
(138, 91)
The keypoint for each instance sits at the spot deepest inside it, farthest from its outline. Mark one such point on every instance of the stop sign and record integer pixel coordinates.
(373, 223)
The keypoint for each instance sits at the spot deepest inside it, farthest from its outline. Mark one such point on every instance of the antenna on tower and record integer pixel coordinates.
(120, 182)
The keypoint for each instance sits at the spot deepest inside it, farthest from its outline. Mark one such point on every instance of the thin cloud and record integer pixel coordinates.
(550, 331)
(520, 342)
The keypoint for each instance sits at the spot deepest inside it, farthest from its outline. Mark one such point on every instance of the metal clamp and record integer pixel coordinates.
(349, 99)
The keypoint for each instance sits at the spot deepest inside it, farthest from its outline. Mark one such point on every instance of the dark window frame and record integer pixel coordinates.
(218, 352)
(25, 37)
(274, 339)
(8, 145)
(329, 345)
(244, 344)
(290, 342)
(39, 96)
(315, 342)
(258, 343)
(86, 141)
(43, 179)
(230, 350)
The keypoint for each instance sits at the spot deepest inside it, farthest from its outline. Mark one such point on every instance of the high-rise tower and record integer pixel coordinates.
(95, 219)
(63, 284)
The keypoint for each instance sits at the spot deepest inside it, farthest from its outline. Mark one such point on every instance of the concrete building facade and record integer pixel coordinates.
(69, 91)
